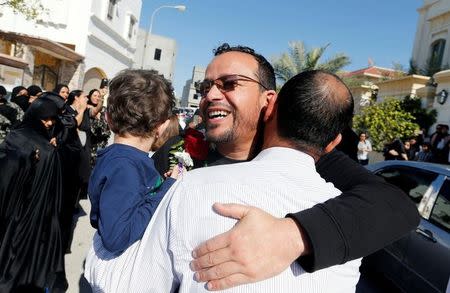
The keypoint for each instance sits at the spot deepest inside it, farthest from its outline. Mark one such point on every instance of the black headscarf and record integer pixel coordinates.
(54, 97)
(16, 91)
(39, 110)
(34, 90)
(3, 94)
(22, 100)
(58, 87)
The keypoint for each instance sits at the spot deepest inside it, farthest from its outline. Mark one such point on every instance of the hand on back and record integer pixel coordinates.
(258, 247)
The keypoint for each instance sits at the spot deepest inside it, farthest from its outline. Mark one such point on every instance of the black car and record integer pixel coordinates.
(420, 261)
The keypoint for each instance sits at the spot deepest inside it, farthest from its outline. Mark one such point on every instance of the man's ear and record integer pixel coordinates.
(161, 128)
(333, 143)
(271, 104)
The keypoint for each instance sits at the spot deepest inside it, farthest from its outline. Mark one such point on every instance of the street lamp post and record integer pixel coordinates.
(178, 7)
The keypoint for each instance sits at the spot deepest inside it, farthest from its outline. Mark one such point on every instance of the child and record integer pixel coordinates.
(124, 187)
(425, 154)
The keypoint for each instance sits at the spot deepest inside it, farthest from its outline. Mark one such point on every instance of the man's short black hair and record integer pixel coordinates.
(313, 108)
(266, 73)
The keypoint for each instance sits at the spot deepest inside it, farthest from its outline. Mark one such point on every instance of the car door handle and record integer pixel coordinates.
(427, 234)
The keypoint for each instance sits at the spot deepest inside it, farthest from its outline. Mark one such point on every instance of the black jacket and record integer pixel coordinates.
(368, 215)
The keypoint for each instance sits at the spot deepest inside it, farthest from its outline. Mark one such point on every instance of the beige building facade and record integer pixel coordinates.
(401, 87)
(431, 54)
(190, 98)
(432, 51)
(441, 102)
(432, 39)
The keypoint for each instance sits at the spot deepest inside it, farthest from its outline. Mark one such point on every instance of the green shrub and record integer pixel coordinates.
(385, 121)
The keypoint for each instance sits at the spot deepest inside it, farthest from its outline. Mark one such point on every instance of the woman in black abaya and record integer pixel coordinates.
(31, 253)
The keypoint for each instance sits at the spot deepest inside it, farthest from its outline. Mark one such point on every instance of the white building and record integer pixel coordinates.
(432, 40)
(432, 47)
(190, 98)
(158, 53)
(74, 42)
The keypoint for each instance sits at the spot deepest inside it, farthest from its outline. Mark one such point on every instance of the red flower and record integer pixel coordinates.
(195, 144)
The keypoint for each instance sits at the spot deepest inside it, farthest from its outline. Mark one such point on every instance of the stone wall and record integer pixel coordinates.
(72, 74)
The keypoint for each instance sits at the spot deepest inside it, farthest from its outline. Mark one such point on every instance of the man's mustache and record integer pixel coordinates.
(222, 105)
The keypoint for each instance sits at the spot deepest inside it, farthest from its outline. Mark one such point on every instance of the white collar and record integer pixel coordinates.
(287, 154)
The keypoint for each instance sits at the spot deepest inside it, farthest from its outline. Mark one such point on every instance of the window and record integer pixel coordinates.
(111, 5)
(437, 53)
(440, 215)
(131, 27)
(412, 181)
(45, 77)
(195, 97)
(157, 54)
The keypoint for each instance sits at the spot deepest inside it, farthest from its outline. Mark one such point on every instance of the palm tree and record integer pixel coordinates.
(299, 59)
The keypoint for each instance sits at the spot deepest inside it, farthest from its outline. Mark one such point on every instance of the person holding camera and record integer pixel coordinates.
(364, 147)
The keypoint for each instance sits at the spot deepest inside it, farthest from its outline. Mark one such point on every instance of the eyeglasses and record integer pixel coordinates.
(226, 83)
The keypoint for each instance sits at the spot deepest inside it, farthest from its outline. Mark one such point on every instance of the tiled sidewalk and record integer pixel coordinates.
(80, 245)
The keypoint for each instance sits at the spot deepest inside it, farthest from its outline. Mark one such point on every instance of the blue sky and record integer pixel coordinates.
(382, 30)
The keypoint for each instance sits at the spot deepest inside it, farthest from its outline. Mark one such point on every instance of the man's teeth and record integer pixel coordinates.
(217, 114)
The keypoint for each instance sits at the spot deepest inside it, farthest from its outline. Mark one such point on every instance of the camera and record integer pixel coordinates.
(104, 83)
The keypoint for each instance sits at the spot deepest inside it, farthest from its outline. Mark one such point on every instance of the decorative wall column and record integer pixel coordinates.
(27, 54)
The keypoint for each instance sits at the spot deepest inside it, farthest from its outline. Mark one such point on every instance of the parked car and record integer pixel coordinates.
(184, 114)
(420, 261)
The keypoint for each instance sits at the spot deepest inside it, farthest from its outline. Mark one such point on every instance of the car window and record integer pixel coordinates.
(412, 181)
(440, 215)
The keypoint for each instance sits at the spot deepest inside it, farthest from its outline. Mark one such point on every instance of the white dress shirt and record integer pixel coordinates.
(278, 180)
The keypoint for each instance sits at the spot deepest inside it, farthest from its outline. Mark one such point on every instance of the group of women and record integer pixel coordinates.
(46, 162)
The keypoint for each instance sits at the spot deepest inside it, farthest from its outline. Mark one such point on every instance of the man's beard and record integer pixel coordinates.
(238, 128)
(224, 137)
(227, 136)
(240, 124)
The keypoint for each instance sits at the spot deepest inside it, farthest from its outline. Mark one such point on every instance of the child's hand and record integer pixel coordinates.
(177, 171)
(167, 174)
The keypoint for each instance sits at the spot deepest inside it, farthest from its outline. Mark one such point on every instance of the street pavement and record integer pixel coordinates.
(81, 243)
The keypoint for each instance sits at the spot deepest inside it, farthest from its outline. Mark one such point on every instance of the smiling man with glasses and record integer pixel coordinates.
(237, 90)
(234, 93)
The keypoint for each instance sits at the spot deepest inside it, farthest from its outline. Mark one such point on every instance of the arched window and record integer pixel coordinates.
(437, 53)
